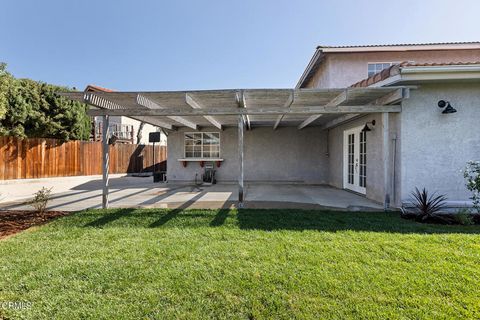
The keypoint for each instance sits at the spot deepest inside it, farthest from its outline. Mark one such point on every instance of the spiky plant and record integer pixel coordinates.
(427, 205)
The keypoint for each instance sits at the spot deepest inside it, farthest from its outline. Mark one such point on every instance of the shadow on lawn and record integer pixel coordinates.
(110, 217)
(333, 221)
(272, 220)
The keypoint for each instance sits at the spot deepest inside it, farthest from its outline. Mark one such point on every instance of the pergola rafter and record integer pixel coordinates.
(341, 98)
(288, 103)
(104, 104)
(393, 97)
(242, 103)
(196, 105)
(147, 103)
(369, 108)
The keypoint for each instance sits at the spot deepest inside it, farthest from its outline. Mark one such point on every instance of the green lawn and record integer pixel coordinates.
(247, 264)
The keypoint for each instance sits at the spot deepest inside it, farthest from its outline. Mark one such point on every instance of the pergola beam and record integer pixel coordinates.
(386, 160)
(100, 102)
(390, 98)
(340, 120)
(309, 120)
(393, 97)
(242, 103)
(196, 105)
(152, 105)
(339, 99)
(155, 122)
(369, 108)
(287, 104)
(240, 162)
(105, 160)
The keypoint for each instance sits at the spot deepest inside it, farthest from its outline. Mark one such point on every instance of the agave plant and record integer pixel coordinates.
(426, 205)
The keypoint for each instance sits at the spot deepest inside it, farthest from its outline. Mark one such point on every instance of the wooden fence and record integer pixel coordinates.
(42, 158)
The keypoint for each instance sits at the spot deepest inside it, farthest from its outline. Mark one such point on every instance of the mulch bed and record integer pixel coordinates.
(14, 221)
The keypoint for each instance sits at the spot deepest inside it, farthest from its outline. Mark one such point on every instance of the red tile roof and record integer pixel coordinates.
(94, 88)
(395, 70)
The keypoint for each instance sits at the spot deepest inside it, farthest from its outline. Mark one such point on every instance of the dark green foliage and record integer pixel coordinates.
(5, 79)
(33, 109)
(426, 205)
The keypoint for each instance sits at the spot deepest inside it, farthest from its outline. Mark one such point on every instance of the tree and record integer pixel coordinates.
(5, 79)
(34, 109)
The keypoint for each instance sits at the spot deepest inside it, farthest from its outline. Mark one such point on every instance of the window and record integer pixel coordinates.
(202, 145)
(377, 67)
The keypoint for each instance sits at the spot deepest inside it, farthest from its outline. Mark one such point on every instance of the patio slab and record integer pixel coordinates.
(137, 192)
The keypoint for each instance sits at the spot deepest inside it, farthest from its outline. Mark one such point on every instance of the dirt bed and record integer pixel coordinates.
(14, 221)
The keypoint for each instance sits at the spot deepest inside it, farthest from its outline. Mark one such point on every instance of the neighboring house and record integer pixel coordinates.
(124, 128)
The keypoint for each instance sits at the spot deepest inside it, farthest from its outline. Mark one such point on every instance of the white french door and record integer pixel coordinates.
(355, 160)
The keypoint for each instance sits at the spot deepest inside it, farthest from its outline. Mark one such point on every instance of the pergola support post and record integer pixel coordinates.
(240, 162)
(105, 160)
(386, 160)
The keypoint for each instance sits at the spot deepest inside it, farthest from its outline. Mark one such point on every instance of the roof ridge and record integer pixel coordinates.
(399, 44)
(396, 68)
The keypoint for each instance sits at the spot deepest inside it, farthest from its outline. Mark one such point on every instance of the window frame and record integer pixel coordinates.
(391, 63)
(201, 145)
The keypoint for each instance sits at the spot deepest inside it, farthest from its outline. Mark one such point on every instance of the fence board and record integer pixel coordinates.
(42, 158)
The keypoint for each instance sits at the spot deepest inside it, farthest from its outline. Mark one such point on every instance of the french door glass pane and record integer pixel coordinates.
(351, 145)
(363, 160)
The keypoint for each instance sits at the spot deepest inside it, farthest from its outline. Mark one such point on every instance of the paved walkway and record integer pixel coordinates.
(142, 192)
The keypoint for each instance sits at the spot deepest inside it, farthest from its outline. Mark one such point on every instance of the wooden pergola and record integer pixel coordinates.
(244, 108)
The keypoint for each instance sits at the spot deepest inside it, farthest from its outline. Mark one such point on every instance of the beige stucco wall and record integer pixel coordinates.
(375, 167)
(340, 70)
(284, 155)
(435, 147)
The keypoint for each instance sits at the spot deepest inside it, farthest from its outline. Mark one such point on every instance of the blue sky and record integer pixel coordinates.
(178, 45)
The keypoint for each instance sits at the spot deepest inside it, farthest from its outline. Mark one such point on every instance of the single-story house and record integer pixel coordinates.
(376, 120)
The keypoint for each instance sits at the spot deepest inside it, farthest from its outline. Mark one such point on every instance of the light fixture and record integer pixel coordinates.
(367, 128)
(448, 109)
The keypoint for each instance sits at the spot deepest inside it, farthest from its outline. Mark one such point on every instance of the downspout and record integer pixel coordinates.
(394, 155)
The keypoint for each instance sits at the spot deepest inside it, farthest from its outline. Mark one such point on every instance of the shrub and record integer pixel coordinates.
(40, 200)
(464, 217)
(471, 173)
(427, 206)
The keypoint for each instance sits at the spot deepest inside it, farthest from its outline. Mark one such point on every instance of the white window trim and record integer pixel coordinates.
(201, 146)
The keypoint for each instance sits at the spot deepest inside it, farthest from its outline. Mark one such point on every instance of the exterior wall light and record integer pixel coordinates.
(448, 108)
(367, 128)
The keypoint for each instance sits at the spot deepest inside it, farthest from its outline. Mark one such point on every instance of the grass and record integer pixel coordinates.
(247, 264)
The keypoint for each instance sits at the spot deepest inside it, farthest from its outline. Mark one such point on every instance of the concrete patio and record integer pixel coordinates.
(78, 193)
